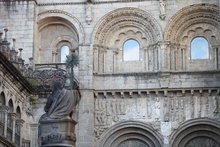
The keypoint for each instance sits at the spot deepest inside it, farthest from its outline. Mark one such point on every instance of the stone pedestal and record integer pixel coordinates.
(57, 133)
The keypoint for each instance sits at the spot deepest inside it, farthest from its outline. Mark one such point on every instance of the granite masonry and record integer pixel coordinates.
(169, 96)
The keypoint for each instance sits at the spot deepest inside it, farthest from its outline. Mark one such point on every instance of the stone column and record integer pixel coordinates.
(109, 60)
(20, 123)
(13, 117)
(163, 56)
(34, 134)
(217, 54)
(145, 58)
(115, 60)
(85, 137)
(4, 112)
(95, 59)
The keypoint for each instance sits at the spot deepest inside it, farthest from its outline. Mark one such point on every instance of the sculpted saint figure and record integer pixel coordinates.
(162, 9)
(60, 103)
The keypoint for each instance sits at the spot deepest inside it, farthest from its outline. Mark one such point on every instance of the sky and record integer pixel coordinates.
(131, 50)
(199, 48)
(64, 53)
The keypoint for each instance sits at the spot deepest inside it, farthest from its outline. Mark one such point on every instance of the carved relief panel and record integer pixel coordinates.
(153, 107)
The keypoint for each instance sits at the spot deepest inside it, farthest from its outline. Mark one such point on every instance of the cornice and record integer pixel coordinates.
(35, 1)
(157, 91)
(95, 3)
(12, 70)
(156, 73)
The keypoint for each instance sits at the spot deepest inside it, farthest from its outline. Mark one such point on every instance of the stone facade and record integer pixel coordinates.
(165, 99)
(15, 106)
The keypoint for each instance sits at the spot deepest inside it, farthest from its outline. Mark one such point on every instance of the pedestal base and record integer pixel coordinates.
(57, 133)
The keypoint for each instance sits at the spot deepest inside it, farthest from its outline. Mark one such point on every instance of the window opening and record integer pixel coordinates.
(131, 50)
(64, 51)
(199, 48)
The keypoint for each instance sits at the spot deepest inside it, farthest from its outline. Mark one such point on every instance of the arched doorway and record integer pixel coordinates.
(202, 132)
(131, 134)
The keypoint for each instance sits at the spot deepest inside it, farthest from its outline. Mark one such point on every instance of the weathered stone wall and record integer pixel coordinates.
(164, 92)
(16, 109)
(19, 18)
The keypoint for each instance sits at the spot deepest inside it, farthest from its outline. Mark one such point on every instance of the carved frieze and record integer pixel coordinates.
(174, 106)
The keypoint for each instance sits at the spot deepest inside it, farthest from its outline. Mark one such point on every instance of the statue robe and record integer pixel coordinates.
(60, 104)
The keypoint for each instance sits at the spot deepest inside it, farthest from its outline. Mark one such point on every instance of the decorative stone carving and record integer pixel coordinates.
(216, 105)
(55, 133)
(117, 17)
(89, 14)
(108, 110)
(162, 9)
(166, 109)
(188, 16)
(45, 76)
(196, 132)
(128, 130)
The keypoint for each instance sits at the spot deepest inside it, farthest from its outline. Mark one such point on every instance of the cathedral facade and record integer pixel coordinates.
(148, 72)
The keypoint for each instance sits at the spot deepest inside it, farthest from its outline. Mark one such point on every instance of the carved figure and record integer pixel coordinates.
(89, 14)
(162, 9)
(60, 103)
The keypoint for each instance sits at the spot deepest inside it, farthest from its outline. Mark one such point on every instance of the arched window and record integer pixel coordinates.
(64, 51)
(11, 107)
(131, 49)
(2, 99)
(10, 120)
(199, 48)
(18, 112)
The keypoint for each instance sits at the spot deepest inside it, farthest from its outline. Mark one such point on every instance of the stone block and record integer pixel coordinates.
(56, 133)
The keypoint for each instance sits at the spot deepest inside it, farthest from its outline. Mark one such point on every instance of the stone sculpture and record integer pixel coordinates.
(162, 9)
(60, 103)
(57, 126)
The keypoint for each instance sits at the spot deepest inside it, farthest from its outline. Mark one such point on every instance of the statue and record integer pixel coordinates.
(89, 14)
(57, 127)
(60, 103)
(162, 9)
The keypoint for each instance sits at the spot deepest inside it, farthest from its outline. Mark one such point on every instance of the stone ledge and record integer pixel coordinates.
(156, 72)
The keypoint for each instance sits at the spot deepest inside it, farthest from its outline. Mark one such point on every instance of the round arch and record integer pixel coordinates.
(2, 99)
(195, 130)
(130, 130)
(62, 14)
(11, 106)
(126, 17)
(18, 112)
(191, 15)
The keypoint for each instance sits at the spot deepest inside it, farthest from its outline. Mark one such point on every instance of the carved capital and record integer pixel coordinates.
(12, 116)
(20, 122)
(4, 108)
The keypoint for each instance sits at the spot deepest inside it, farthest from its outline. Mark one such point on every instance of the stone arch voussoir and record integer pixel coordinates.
(130, 130)
(62, 14)
(123, 17)
(195, 128)
(191, 15)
